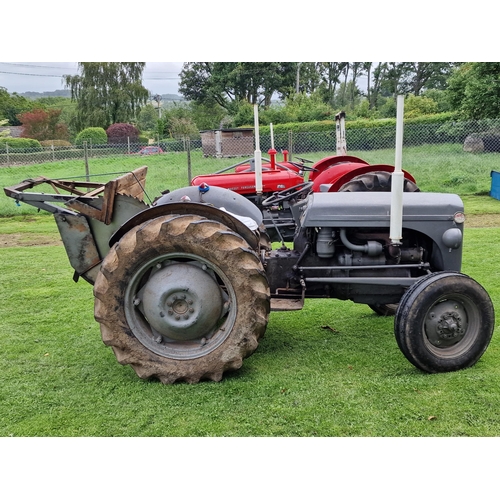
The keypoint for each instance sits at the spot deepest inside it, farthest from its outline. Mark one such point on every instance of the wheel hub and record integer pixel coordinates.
(446, 323)
(181, 302)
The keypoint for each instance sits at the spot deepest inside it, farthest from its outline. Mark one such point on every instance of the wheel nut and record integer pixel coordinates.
(191, 310)
(177, 318)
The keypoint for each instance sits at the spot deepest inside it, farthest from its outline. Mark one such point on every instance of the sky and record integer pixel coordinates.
(158, 77)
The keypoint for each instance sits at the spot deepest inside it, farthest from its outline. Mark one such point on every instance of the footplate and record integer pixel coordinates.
(287, 304)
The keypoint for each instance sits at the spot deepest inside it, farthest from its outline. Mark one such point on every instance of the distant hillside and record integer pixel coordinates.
(67, 93)
(172, 97)
(54, 93)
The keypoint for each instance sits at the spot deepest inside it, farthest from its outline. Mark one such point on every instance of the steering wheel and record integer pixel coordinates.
(288, 194)
(303, 167)
(304, 160)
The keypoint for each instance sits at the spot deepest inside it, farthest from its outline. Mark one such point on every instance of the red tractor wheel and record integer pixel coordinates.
(376, 181)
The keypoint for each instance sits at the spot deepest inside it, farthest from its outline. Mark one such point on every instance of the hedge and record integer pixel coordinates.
(55, 143)
(18, 143)
(370, 134)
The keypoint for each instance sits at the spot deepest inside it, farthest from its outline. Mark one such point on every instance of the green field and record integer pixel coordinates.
(442, 168)
(332, 369)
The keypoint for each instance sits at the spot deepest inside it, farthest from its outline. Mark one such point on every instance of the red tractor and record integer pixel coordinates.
(339, 172)
(282, 181)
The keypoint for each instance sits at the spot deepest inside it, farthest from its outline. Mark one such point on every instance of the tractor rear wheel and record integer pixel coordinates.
(376, 181)
(444, 322)
(182, 298)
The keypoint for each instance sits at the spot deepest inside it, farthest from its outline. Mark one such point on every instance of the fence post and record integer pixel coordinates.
(290, 144)
(128, 144)
(188, 150)
(86, 156)
(53, 155)
(7, 150)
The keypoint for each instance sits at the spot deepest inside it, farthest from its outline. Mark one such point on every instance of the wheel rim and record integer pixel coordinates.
(451, 325)
(180, 306)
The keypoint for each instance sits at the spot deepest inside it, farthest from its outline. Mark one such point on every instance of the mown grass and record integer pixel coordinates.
(332, 369)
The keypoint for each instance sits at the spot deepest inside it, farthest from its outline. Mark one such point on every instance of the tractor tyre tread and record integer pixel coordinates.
(200, 236)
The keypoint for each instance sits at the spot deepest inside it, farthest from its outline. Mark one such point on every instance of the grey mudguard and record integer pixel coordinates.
(218, 197)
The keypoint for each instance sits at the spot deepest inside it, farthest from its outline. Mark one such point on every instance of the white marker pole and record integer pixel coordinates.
(257, 154)
(396, 231)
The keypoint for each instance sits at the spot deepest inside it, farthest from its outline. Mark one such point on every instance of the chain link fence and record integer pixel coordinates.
(436, 144)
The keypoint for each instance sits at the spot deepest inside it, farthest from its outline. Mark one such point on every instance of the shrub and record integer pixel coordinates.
(55, 143)
(18, 143)
(93, 135)
(121, 133)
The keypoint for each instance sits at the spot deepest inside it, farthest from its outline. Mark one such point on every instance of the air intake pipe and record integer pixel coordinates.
(371, 248)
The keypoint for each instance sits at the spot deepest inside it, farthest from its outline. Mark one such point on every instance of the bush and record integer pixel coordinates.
(18, 143)
(55, 143)
(93, 135)
(122, 133)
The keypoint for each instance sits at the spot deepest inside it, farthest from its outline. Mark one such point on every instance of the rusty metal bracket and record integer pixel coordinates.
(93, 199)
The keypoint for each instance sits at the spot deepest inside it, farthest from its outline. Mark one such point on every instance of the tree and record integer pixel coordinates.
(330, 77)
(229, 83)
(43, 125)
(309, 74)
(182, 127)
(12, 105)
(65, 104)
(148, 118)
(107, 93)
(474, 90)
(419, 76)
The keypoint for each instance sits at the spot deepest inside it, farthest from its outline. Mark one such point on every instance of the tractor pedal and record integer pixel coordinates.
(287, 304)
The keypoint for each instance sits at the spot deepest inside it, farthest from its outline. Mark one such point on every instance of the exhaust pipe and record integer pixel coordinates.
(397, 181)
(257, 154)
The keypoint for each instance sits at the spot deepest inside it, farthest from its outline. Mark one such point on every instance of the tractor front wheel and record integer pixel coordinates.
(181, 298)
(444, 322)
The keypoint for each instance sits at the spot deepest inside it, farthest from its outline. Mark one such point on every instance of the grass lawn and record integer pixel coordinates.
(332, 369)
